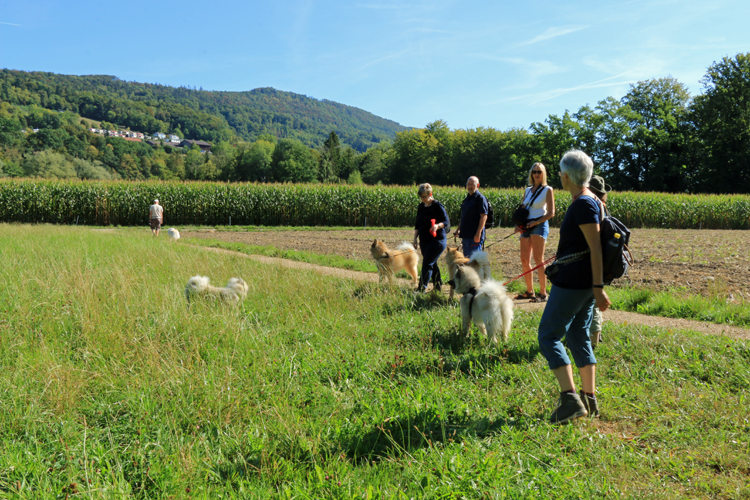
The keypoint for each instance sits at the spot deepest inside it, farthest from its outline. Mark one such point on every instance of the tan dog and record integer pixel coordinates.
(484, 302)
(479, 261)
(392, 261)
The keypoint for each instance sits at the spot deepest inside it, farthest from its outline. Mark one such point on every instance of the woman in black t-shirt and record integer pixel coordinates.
(576, 289)
(431, 228)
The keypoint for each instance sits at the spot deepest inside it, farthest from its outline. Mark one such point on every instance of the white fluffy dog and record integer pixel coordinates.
(485, 302)
(173, 233)
(479, 260)
(200, 286)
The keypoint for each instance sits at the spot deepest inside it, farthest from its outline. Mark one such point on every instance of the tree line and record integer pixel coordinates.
(655, 138)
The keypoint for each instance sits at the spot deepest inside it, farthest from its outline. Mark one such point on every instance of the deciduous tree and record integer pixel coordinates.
(292, 161)
(722, 118)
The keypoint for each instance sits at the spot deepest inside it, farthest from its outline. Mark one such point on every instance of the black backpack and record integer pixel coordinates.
(616, 256)
(490, 215)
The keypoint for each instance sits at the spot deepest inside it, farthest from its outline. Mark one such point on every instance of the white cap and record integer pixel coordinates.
(156, 201)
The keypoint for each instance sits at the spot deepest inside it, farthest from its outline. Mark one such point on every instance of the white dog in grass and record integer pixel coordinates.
(200, 286)
(174, 234)
(484, 302)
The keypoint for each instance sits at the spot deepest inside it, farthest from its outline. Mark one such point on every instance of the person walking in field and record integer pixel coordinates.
(156, 215)
(600, 189)
(540, 200)
(430, 228)
(474, 211)
(577, 287)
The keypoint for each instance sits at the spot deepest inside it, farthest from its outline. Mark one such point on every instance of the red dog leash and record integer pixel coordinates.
(548, 261)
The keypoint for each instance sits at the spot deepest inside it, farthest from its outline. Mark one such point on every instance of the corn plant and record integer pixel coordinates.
(125, 203)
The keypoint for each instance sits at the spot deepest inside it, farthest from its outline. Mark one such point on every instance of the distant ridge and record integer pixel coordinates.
(198, 114)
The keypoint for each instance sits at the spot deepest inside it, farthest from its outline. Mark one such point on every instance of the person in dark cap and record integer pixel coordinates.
(600, 189)
(156, 215)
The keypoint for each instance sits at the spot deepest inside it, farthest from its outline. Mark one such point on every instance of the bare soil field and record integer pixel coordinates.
(706, 262)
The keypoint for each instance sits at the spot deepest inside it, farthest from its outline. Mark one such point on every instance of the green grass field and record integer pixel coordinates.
(317, 387)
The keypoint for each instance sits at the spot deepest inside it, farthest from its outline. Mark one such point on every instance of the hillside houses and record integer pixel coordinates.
(188, 144)
(153, 140)
(119, 133)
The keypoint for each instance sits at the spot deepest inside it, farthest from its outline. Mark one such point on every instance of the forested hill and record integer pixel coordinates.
(197, 114)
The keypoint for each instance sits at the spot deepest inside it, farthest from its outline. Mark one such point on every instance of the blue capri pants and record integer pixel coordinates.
(567, 314)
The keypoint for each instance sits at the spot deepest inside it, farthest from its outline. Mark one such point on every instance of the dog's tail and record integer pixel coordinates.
(238, 286)
(405, 246)
(482, 260)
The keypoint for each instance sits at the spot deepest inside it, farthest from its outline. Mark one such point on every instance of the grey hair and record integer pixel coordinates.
(578, 166)
(424, 188)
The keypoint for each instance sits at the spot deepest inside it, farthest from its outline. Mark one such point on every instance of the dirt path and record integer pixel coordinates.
(614, 316)
(707, 262)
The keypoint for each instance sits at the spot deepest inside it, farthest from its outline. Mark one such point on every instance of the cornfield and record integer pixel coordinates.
(126, 204)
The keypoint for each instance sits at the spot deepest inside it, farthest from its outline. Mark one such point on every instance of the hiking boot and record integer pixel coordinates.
(569, 407)
(590, 403)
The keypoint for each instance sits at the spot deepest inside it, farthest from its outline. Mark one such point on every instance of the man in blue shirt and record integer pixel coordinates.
(474, 210)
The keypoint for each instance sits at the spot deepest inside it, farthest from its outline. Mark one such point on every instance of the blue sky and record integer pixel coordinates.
(473, 64)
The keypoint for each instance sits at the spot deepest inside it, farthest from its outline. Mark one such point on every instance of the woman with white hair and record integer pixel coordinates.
(577, 288)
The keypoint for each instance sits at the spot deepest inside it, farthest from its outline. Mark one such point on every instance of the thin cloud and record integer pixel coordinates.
(390, 7)
(553, 33)
(534, 68)
(538, 97)
(10, 24)
(387, 57)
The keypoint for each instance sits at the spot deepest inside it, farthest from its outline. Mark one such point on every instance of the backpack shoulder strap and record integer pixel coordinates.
(538, 192)
(602, 212)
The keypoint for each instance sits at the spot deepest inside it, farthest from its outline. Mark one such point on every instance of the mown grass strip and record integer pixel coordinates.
(295, 255)
(681, 304)
(676, 304)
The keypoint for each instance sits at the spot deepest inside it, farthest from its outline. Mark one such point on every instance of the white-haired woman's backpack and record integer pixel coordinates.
(616, 256)
(615, 237)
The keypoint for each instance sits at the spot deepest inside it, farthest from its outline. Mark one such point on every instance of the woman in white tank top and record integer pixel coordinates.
(540, 200)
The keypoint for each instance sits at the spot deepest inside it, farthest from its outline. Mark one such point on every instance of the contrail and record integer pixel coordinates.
(10, 24)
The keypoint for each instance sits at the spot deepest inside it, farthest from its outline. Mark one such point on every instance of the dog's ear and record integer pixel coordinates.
(374, 243)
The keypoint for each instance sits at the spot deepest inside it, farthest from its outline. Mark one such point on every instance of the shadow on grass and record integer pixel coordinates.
(398, 299)
(451, 352)
(424, 429)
